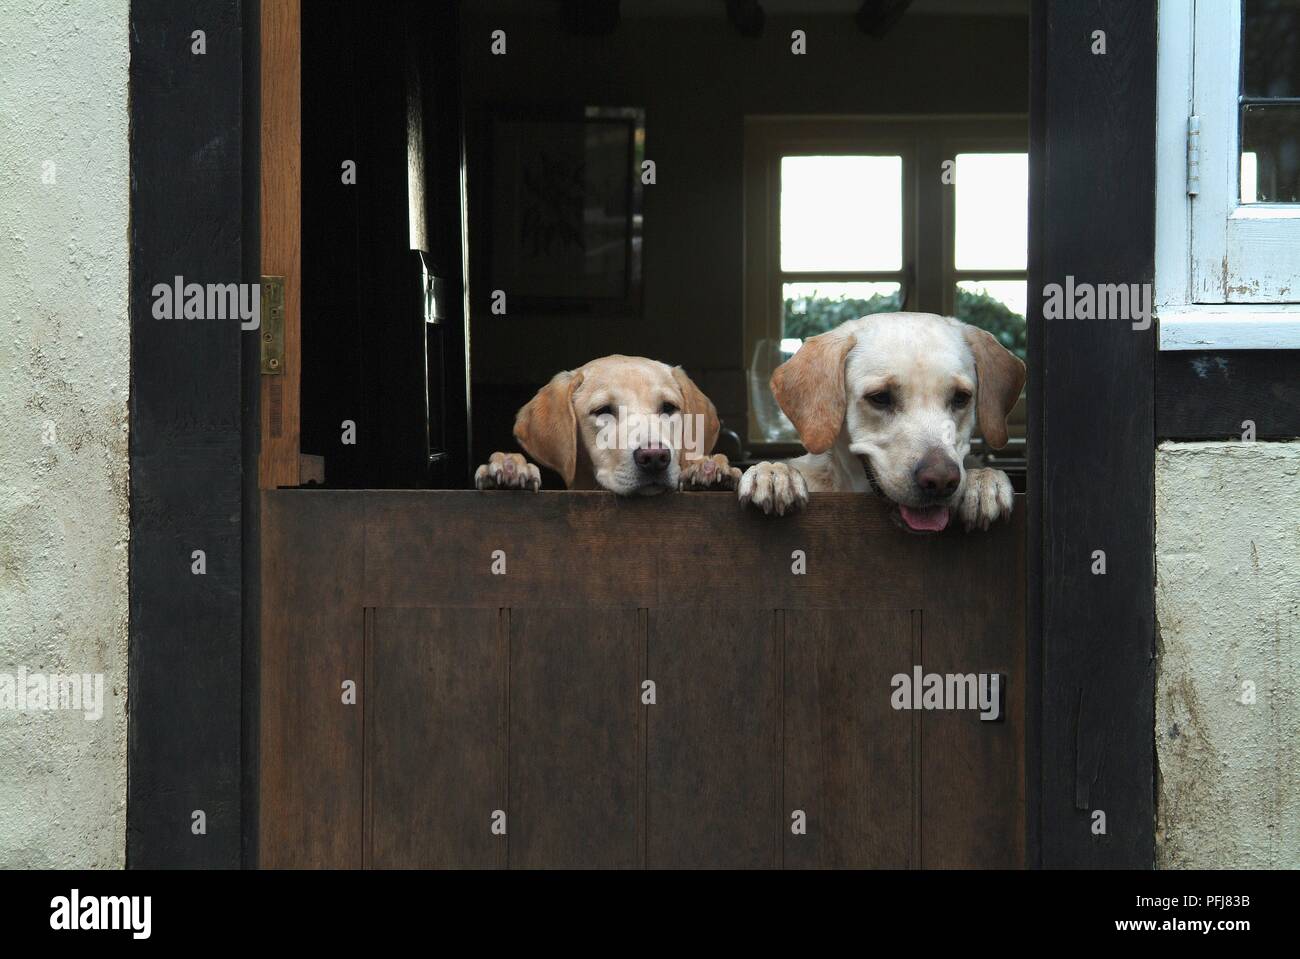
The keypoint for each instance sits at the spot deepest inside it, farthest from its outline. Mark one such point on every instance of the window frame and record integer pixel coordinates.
(1227, 274)
(928, 274)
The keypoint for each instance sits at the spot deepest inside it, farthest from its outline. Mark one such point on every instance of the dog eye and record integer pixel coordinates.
(882, 400)
(603, 411)
(961, 399)
(668, 409)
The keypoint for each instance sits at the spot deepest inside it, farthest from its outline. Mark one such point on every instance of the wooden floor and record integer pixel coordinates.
(517, 697)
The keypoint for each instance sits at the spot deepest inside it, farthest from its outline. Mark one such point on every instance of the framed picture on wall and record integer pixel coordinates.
(565, 209)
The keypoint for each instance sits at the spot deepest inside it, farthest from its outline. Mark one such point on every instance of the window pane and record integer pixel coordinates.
(992, 211)
(1270, 153)
(1270, 48)
(841, 213)
(1270, 127)
(997, 306)
(812, 308)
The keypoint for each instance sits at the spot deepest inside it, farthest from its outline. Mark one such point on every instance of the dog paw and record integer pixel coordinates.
(987, 497)
(774, 488)
(507, 471)
(709, 472)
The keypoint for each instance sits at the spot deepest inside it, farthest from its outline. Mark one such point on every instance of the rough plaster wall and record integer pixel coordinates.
(1228, 606)
(65, 340)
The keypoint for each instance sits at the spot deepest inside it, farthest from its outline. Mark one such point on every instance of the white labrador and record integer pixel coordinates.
(887, 403)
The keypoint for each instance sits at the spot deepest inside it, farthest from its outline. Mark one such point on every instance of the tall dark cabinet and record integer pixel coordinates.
(383, 324)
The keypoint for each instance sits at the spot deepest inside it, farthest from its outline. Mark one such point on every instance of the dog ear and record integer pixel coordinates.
(809, 387)
(695, 403)
(1000, 376)
(547, 427)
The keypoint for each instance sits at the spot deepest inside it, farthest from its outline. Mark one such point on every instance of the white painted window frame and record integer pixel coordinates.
(1227, 275)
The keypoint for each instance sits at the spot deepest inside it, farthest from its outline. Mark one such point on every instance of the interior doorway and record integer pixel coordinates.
(380, 609)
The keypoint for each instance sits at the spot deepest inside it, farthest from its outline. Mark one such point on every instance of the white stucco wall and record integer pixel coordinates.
(1228, 608)
(65, 340)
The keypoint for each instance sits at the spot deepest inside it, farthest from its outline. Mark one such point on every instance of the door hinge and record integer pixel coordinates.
(1193, 155)
(273, 324)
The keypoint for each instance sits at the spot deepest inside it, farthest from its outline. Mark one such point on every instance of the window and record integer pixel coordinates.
(846, 217)
(840, 246)
(1228, 175)
(990, 228)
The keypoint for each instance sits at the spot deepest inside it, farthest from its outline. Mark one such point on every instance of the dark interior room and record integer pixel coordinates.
(598, 199)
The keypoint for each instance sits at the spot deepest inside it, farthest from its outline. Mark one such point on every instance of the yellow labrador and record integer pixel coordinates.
(887, 403)
(634, 426)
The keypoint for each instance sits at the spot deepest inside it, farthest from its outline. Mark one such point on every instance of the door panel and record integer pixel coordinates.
(713, 765)
(575, 737)
(517, 686)
(848, 754)
(973, 769)
(311, 741)
(964, 823)
(435, 738)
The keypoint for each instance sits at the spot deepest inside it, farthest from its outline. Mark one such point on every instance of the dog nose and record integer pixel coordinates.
(936, 475)
(653, 458)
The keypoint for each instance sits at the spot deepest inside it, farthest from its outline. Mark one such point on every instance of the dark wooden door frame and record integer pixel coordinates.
(1091, 417)
(188, 437)
(1092, 436)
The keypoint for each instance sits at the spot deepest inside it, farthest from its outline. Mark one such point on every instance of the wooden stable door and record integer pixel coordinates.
(460, 679)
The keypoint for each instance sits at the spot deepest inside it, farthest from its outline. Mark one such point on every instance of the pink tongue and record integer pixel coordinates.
(931, 519)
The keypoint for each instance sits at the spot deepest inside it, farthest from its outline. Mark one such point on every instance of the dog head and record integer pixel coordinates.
(623, 423)
(904, 392)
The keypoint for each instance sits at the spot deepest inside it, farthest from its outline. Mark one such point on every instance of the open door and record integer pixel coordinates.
(281, 243)
(364, 365)
(388, 590)
(456, 678)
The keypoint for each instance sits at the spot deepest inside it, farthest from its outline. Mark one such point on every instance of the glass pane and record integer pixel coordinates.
(812, 308)
(997, 306)
(1270, 153)
(1270, 48)
(841, 213)
(992, 211)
